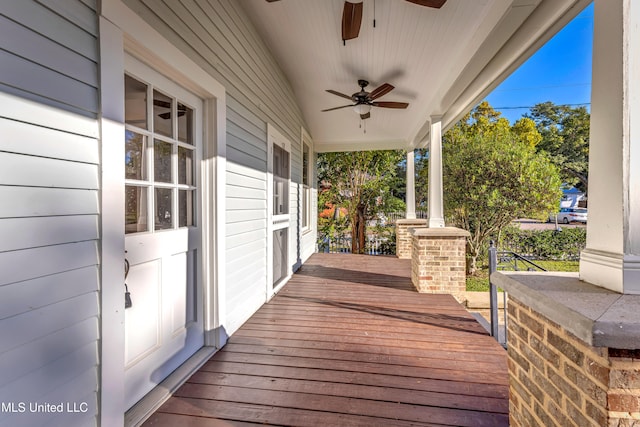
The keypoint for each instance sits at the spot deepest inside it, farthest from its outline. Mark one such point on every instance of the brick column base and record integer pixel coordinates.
(403, 236)
(557, 379)
(438, 260)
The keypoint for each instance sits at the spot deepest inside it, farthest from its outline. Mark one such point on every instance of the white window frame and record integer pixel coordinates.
(306, 190)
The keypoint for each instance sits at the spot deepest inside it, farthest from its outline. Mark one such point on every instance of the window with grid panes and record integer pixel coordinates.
(160, 183)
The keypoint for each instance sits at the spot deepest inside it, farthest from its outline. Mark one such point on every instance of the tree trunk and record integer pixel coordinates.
(472, 259)
(354, 234)
(583, 179)
(361, 230)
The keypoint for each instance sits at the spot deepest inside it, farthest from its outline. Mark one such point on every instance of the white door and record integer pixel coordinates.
(164, 325)
(279, 173)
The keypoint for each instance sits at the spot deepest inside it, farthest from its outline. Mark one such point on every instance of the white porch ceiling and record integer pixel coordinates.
(441, 61)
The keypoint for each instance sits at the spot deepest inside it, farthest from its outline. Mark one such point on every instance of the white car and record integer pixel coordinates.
(567, 215)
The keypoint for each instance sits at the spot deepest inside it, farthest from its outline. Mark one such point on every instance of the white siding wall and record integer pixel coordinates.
(218, 36)
(49, 314)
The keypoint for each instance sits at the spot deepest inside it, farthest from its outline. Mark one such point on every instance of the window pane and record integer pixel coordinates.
(185, 204)
(185, 124)
(305, 206)
(185, 166)
(280, 181)
(305, 164)
(135, 218)
(135, 102)
(280, 248)
(134, 156)
(164, 208)
(162, 161)
(162, 122)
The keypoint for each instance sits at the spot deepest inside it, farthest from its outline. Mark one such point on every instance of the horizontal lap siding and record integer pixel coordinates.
(49, 53)
(218, 36)
(49, 183)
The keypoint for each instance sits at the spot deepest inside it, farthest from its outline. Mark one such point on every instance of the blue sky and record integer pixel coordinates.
(559, 72)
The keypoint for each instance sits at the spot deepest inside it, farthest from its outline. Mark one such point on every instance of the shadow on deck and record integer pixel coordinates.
(349, 342)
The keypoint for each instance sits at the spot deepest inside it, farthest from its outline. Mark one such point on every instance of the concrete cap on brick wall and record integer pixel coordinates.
(411, 222)
(440, 232)
(598, 316)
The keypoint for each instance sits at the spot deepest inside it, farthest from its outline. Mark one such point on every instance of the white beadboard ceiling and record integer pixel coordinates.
(441, 61)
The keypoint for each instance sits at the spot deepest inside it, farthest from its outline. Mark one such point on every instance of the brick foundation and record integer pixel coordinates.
(556, 379)
(403, 236)
(438, 260)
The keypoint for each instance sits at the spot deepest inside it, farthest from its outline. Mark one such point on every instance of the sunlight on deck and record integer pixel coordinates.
(349, 342)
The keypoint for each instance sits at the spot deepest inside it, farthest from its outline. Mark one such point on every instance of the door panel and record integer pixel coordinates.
(280, 251)
(177, 271)
(144, 283)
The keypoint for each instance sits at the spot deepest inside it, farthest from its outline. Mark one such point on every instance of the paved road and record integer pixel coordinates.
(532, 224)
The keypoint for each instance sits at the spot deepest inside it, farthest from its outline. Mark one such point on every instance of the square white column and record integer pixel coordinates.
(436, 205)
(612, 257)
(411, 186)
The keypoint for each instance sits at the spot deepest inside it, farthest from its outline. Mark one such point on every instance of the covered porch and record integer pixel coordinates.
(349, 341)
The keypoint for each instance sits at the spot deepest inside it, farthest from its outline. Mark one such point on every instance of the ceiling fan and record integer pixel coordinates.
(352, 15)
(363, 100)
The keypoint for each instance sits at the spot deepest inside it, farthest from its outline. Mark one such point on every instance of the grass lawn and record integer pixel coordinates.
(479, 282)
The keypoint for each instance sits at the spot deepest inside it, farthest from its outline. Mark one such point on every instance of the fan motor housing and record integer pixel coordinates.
(361, 97)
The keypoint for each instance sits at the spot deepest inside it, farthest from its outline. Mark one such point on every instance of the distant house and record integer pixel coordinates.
(572, 198)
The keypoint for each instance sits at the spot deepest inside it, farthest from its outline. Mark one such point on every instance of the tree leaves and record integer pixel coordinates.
(361, 182)
(565, 137)
(492, 175)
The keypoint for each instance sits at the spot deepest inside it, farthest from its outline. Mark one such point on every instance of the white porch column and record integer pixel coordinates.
(411, 186)
(612, 257)
(436, 205)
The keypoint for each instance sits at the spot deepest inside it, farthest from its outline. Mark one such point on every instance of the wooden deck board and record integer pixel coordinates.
(349, 342)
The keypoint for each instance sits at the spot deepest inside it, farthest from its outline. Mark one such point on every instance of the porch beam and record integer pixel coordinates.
(435, 203)
(411, 186)
(612, 256)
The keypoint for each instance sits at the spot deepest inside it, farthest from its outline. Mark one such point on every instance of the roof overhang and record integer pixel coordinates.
(441, 61)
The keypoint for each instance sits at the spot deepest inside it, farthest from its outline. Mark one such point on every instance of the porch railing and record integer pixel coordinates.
(392, 217)
(511, 261)
(374, 245)
(504, 260)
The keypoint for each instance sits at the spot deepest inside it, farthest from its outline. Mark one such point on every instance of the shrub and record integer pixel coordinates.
(565, 244)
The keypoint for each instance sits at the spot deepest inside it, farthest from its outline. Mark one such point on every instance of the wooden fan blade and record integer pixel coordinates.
(160, 103)
(365, 116)
(390, 104)
(342, 95)
(351, 20)
(166, 116)
(380, 91)
(337, 108)
(429, 3)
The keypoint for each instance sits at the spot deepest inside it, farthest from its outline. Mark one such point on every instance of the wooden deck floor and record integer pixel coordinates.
(349, 342)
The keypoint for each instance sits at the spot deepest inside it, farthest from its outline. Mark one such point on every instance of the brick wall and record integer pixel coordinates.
(559, 380)
(438, 260)
(403, 236)
(624, 388)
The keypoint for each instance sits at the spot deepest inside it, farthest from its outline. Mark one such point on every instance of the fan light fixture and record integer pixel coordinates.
(362, 108)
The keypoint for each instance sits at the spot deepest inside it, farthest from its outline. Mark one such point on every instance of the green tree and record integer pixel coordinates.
(361, 182)
(492, 175)
(565, 136)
